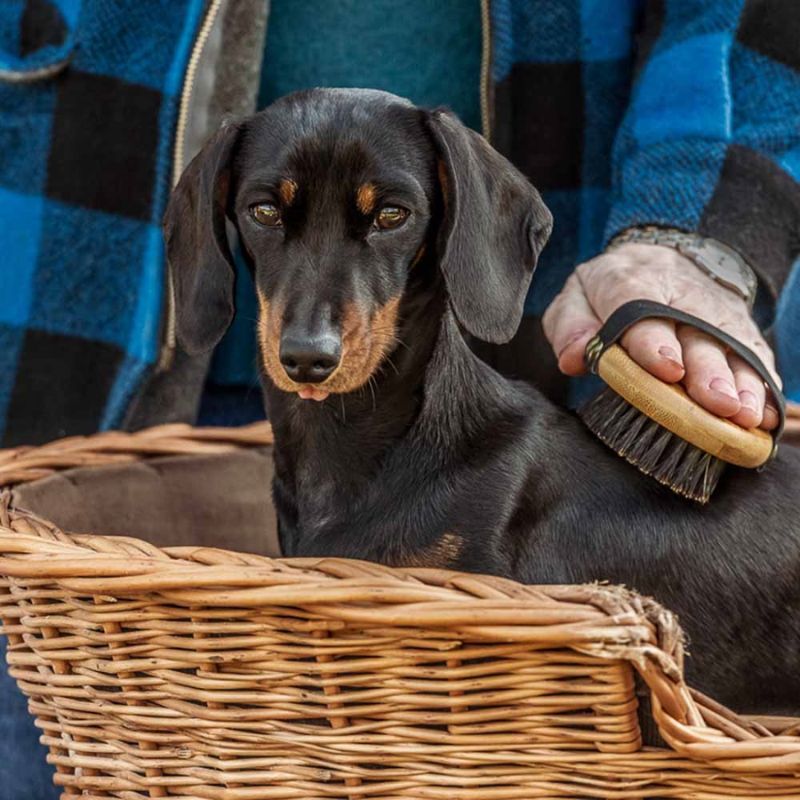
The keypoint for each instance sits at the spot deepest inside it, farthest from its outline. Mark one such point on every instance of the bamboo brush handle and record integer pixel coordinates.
(673, 409)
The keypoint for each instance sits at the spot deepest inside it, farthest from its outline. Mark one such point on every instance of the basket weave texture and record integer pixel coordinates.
(203, 673)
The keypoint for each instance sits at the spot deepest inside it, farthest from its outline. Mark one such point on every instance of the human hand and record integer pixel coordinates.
(719, 381)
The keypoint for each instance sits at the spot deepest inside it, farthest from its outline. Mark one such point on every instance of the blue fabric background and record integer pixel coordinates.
(24, 772)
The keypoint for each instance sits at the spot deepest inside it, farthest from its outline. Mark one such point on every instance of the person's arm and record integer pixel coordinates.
(711, 141)
(710, 144)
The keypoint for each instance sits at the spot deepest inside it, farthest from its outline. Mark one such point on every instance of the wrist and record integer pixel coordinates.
(721, 263)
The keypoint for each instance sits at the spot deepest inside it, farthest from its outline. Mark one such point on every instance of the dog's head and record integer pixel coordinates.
(336, 196)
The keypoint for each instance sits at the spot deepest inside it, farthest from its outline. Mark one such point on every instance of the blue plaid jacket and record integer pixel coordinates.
(623, 112)
(88, 102)
(684, 113)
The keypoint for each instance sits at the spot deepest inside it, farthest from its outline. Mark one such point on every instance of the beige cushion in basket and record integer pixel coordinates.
(222, 500)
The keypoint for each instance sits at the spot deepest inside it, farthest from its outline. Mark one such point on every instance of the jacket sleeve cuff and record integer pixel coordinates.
(738, 196)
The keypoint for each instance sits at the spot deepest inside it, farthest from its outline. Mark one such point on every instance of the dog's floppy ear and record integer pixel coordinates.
(495, 225)
(200, 261)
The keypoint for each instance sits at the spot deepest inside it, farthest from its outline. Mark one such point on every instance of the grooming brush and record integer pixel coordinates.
(656, 426)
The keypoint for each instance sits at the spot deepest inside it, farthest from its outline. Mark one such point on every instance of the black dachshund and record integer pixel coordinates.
(377, 234)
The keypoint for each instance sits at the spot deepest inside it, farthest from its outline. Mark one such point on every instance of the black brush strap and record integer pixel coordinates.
(637, 310)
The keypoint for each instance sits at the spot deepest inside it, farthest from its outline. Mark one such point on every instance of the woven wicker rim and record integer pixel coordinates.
(602, 621)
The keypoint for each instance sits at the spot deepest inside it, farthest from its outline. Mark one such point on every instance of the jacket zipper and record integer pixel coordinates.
(486, 63)
(170, 339)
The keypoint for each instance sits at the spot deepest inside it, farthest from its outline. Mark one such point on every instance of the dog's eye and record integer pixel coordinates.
(266, 214)
(390, 217)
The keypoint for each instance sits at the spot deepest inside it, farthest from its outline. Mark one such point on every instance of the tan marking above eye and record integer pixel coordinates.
(266, 214)
(390, 217)
(287, 191)
(365, 198)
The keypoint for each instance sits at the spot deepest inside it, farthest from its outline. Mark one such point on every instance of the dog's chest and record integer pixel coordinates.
(321, 503)
(409, 511)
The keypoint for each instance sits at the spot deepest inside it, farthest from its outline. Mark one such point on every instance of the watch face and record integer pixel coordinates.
(725, 268)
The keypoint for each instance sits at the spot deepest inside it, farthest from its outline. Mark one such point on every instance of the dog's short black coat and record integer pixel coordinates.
(422, 453)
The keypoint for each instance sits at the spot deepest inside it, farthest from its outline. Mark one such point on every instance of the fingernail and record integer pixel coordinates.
(671, 355)
(748, 400)
(723, 387)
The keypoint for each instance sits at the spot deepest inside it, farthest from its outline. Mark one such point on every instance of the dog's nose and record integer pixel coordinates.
(312, 359)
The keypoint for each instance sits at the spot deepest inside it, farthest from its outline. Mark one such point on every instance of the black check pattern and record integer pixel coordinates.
(85, 167)
(110, 128)
(546, 140)
(772, 29)
(46, 381)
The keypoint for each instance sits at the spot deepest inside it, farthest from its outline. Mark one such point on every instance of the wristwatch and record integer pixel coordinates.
(720, 262)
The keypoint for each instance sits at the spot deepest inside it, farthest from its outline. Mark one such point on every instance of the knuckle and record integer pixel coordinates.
(615, 290)
(645, 336)
(587, 269)
(747, 379)
(693, 338)
(573, 283)
(707, 357)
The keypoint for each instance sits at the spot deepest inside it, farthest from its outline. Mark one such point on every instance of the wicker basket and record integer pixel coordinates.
(194, 672)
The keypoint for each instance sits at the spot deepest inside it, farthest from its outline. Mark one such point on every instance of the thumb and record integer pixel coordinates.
(569, 323)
